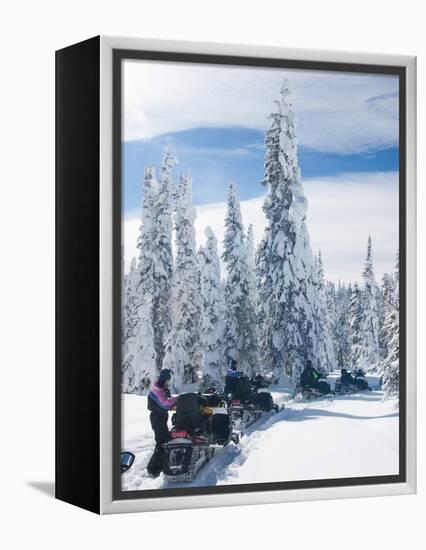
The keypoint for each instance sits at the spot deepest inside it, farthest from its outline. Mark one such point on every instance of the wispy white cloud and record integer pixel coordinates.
(216, 151)
(337, 112)
(343, 210)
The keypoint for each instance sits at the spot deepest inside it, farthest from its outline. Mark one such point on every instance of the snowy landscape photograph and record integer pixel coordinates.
(260, 216)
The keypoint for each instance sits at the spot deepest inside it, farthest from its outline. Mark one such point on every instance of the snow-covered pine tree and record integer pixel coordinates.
(183, 347)
(332, 305)
(388, 291)
(324, 317)
(253, 296)
(380, 319)
(161, 312)
(355, 323)
(211, 323)
(284, 258)
(341, 325)
(369, 356)
(390, 366)
(330, 312)
(388, 305)
(128, 302)
(139, 363)
(251, 260)
(240, 338)
(316, 315)
(129, 321)
(124, 293)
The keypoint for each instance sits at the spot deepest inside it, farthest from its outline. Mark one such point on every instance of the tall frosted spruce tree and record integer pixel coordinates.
(355, 324)
(240, 338)
(129, 322)
(341, 326)
(139, 362)
(211, 323)
(284, 258)
(183, 348)
(390, 367)
(251, 263)
(369, 354)
(253, 298)
(325, 316)
(163, 272)
(129, 303)
(388, 305)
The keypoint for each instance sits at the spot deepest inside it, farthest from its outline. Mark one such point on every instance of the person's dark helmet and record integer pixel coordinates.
(233, 365)
(165, 374)
(343, 371)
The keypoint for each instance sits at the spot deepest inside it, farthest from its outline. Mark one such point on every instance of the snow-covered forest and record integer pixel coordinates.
(271, 308)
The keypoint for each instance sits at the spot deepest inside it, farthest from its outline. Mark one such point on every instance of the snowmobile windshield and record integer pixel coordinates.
(127, 459)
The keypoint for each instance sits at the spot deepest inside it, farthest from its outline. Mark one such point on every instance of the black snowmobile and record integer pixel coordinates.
(201, 425)
(247, 400)
(349, 384)
(321, 389)
(360, 381)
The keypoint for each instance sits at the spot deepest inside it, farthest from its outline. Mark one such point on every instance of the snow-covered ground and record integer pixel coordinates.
(349, 436)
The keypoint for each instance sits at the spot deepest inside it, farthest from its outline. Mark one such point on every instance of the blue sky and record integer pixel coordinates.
(214, 118)
(214, 156)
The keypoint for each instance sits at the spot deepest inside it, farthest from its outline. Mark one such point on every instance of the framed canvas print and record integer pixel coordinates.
(235, 275)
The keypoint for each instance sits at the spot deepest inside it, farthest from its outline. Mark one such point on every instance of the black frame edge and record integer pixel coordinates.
(77, 95)
(403, 275)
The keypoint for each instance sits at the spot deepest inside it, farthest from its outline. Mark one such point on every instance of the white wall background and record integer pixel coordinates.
(30, 32)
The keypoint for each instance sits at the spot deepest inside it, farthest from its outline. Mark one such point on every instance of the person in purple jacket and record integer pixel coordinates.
(159, 403)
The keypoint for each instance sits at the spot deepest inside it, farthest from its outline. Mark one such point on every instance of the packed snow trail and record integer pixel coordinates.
(349, 436)
(139, 439)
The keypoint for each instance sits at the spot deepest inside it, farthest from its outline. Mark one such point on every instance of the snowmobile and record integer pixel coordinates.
(344, 388)
(305, 393)
(360, 381)
(247, 401)
(359, 384)
(200, 425)
(351, 383)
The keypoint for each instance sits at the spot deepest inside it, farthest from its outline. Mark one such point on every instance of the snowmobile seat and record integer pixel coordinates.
(243, 389)
(230, 384)
(212, 399)
(259, 382)
(188, 412)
